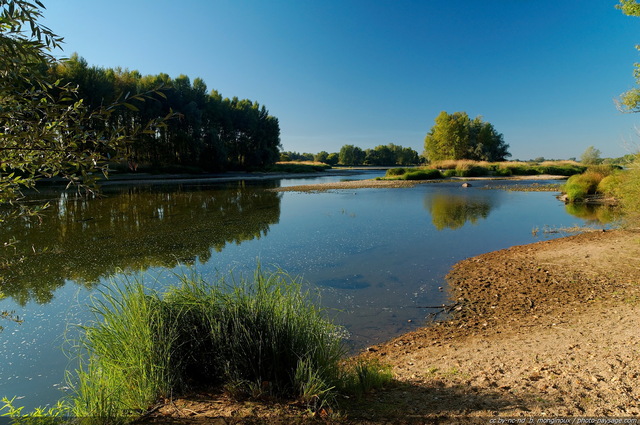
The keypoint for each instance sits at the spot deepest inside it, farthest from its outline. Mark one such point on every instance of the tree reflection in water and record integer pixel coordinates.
(84, 240)
(452, 211)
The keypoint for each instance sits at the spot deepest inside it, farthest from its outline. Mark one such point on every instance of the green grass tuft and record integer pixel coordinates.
(252, 336)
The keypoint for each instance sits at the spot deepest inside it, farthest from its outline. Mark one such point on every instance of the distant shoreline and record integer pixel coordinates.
(147, 178)
(371, 184)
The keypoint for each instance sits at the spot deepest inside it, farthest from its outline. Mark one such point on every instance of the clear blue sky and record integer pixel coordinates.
(337, 72)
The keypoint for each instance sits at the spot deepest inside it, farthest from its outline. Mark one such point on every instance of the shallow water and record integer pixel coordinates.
(376, 256)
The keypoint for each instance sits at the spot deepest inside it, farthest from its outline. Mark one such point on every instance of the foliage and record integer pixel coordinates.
(395, 172)
(391, 154)
(297, 167)
(333, 158)
(296, 156)
(578, 187)
(252, 334)
(591, 156)
(422, 174)
(212, 133)
(46, 130)
(351, 155)
(630, 100)
(629, 193)
(456, 136)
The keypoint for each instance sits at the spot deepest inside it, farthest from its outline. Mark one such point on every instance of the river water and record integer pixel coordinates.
(375, 256)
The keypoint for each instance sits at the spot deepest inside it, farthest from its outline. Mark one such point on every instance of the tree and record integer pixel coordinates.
(333, 158)
(46, 130)
(351, 155)
(321, 156)
(455, 136)
(630, 100)
(591, 156)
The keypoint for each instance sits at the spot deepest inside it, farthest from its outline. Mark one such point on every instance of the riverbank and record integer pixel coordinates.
(546, 330)
(115, 179)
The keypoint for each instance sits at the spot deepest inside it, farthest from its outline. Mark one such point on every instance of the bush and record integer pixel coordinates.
(253, 336)
(395, 172)
(449, 173)
(629, 193)
(611, 184)
(579, 186)
(561, 170)
(502, 172)
(472, 171)
(423, 174)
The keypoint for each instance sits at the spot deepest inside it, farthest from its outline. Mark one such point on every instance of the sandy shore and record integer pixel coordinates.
(545, 330)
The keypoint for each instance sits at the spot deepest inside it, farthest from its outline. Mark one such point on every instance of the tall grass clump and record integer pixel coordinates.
(251, 336)
(128, 348)
(578, 187)
(629, 193)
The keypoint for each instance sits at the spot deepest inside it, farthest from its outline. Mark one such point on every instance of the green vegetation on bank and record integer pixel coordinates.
(468, 168)
(297, 167)
(253, 338)
(611, 182)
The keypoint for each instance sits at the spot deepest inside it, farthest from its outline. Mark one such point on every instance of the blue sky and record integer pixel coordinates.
(337, 72)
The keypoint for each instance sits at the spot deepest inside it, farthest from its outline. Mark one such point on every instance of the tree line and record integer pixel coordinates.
(390, 154)
(207, 131)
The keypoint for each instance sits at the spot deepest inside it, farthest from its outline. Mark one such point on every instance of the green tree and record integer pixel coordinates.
(351, 155)
(456, 136)
(333, 158)
(630, 100)
(321, 156)
(591, 156)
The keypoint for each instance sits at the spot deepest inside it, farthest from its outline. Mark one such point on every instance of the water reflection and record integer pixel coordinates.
(452, 211)
(85, 240)
(594, 214)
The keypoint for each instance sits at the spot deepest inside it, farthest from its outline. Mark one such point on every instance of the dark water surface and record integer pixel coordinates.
(375, 255)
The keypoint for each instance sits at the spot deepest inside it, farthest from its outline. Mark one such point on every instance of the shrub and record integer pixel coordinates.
(502, 172)
(579, 186)
(449, 173)
(629, 193)
(472, 171)
(422, 174)
(611, 184)
(561, 170)
(395, 172)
